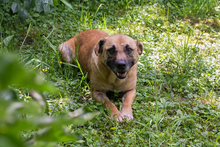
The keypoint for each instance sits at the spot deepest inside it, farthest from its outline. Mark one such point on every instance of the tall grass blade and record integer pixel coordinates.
(54, 49)
(29, 28)
(67, 4)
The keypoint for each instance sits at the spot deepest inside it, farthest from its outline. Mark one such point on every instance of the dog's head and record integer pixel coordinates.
(119, 53)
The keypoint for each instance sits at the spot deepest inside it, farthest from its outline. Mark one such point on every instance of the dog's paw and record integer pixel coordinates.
(127, 116)
(117, 116)
(123, 116)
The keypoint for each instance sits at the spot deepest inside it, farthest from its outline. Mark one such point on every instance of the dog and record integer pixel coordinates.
(111, 64)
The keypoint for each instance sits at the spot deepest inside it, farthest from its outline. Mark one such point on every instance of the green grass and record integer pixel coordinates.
(178, 94)
(193, 9)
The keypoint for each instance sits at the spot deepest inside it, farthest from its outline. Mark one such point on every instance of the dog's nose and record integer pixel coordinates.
(121, 64)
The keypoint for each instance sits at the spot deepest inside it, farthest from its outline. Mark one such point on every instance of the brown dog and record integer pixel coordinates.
(111, 64)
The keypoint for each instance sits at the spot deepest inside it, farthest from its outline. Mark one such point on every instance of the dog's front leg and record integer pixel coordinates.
(127, 101)
(102, 97)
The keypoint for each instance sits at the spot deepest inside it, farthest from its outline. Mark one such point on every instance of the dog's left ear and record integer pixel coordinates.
(99, 46)
(139, 47)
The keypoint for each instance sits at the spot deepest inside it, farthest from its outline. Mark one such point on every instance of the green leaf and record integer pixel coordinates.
(28, 4)
(19, 125)
(50, 2)
(46, 8)
(55, 2)
(56, 134)
(40, 7)
(43, 144)
(3, 106)
(8, 95)
(15, 7)
(7, 40)
(13, 72)
(217, 138)
(31, 107)
(79, 116)
(39, 98)
(44, 5)
(22, 15)
(4, 1)
(67, 4)
(10, 140)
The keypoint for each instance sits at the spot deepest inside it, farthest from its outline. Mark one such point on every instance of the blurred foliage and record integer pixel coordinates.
(17, 116)
(22, 7)
(12, 72)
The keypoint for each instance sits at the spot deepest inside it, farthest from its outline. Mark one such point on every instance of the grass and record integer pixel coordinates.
(177, 102)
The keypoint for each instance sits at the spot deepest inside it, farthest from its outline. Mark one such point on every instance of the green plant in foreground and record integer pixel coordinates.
(17, 117)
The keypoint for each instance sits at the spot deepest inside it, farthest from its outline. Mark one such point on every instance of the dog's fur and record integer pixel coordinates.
(111, 64)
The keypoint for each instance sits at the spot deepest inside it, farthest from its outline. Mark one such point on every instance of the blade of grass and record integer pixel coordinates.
(29, 28)
(54, 49)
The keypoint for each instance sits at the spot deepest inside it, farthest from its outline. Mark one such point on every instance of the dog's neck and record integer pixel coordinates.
(112, 78)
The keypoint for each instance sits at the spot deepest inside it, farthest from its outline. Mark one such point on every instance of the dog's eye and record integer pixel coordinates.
(111, 50)
(129, 50)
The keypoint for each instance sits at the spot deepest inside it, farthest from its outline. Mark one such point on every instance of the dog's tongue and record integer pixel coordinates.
(122, 74)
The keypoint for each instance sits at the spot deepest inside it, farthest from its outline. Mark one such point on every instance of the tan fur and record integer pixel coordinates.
(102, 78)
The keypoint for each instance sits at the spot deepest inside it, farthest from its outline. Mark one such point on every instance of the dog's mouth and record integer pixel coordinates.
(121, 75)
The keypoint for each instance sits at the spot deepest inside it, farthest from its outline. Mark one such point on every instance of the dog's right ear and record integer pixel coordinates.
(140, 47)
(99, 46)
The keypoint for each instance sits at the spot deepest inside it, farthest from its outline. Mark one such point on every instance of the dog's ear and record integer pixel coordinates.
(99, 46)
(139, 47)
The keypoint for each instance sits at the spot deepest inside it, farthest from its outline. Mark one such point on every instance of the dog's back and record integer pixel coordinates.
(84, 42)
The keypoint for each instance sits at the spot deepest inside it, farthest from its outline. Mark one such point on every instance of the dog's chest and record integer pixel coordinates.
(120, 85)
(112, 79)
(106, 85)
